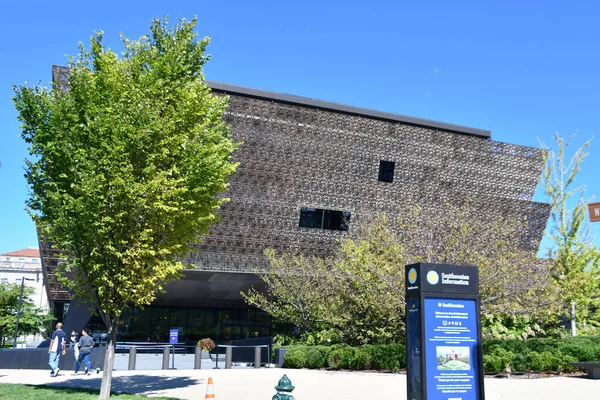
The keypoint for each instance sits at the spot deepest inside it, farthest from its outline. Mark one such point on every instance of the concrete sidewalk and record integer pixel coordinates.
(253, 384)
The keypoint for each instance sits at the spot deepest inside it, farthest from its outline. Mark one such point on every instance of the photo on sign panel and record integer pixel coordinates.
(453, 358)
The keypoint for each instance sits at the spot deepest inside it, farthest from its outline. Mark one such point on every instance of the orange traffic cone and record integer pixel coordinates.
(210, 392)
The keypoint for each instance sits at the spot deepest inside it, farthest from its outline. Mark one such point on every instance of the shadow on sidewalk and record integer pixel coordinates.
(135, 384)
(583, 375)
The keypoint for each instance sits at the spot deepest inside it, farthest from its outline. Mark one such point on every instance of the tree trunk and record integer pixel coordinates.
(109, 359)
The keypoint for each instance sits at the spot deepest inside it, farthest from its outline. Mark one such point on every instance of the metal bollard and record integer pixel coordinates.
(166, 354)
(228, 357)
(132, 356)
(257, 351)
(198, 357)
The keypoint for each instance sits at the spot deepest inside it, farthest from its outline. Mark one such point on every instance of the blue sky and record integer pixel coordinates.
(524, 70)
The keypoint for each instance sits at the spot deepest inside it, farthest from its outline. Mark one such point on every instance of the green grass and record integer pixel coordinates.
(454, 365)
(28, 392)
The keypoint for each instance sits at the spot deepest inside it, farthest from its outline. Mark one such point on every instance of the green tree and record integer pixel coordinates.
(297, 290)
(31, 319)
(576, 261)
(128, 161)
(365, 288)
(369, 285)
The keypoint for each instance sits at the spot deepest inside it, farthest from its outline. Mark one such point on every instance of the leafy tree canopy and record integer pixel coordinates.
(575, 260)
(31, 319)
(361, 291)
(128, 158)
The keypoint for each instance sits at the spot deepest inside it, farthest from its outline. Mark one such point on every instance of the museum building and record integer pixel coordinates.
(309, 172)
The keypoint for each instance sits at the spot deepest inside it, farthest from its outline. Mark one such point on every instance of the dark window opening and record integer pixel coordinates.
(324, 219)
(386, 171)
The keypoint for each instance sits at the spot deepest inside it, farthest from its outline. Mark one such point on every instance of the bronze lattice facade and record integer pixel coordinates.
(299, 153)
(296, 155)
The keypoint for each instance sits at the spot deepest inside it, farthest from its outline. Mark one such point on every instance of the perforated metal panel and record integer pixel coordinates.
(294, 156)
(298, 155)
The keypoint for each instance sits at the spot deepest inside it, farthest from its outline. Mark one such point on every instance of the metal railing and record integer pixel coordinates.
(169, 351)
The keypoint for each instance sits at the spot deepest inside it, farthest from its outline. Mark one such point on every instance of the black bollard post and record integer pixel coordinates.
(166, 354)
(217, 362)
(132, 356)
(173, 364)
(198, 357)
(228, 357)
(257, 351)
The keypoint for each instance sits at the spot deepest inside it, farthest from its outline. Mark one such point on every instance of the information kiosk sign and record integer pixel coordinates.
(174, 336)
(443, 341)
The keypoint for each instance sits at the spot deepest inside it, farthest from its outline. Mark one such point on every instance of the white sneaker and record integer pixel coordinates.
(56, 372)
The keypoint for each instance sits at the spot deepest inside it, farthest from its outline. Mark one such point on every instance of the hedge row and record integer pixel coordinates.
(501, 360)
(538, 354)
(499, 355)
(381, 357)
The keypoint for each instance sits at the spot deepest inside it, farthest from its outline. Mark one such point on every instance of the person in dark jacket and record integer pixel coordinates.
(57, 347)
(85, 348)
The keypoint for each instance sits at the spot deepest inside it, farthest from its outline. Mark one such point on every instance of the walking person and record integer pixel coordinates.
(85, 348)
(58, 346)
(74, 337)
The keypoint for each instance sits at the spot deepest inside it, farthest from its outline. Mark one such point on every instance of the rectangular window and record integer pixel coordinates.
(386, 171)
(318, 218)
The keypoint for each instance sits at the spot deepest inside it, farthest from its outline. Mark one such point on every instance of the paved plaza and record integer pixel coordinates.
(254, 384)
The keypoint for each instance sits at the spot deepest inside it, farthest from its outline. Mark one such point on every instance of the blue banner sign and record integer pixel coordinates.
(174, 336)
(451, 348)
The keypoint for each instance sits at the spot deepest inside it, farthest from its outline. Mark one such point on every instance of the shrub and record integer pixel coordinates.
(341, 357)
(520, 363)
(542, 354)
(536, 361)
(498, 360)
(552, 361)
(314, 358)
(582, 351)
(295, 358)
(401, 351)
(362, 359)
(325, 351)
(492, 363)
(389, 357)
(537, 354)
(569, 359)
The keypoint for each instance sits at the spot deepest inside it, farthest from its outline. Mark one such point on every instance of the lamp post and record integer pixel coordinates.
(19, 310)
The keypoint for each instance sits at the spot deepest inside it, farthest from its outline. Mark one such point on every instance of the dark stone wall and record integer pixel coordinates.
(37, 358)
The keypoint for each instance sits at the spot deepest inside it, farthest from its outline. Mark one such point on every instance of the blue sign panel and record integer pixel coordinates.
(451, 349)
(413, 345)
(174, 336)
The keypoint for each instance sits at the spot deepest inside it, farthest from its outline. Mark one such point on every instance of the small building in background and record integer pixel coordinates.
(25, 263)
